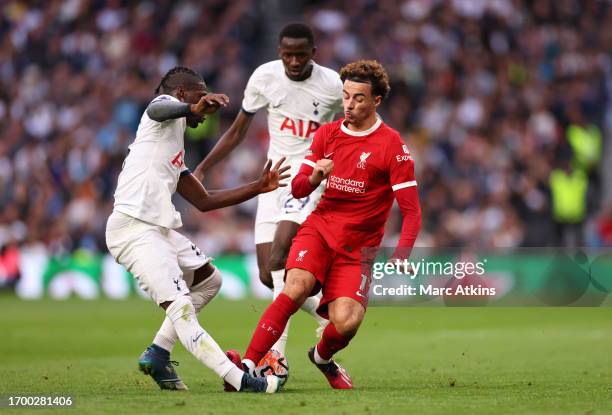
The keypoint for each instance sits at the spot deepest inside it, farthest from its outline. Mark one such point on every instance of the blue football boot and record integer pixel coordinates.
(155, 362)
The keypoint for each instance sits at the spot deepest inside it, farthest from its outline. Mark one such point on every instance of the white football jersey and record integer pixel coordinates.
(295, 108)
(151, 171)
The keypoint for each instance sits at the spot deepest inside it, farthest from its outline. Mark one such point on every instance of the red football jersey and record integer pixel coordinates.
(369, 168)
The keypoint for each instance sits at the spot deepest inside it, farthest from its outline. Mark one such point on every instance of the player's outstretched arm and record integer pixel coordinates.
(228, 142)
(194, 192)
(166, 109)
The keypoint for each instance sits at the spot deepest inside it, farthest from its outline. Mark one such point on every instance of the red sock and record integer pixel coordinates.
(331, 342)
(270, 327)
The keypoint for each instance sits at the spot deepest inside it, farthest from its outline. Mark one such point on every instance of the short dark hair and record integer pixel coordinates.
(370, 72)
(297, 31)
(177, 76)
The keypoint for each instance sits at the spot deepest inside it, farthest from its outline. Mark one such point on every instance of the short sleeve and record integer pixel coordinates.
(400, 165)
(254, 98)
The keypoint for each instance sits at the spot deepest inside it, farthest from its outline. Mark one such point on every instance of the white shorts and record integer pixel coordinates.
(280, 205)
(162, 260)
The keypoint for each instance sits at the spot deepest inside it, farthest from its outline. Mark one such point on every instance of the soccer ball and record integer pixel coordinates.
(273, 363)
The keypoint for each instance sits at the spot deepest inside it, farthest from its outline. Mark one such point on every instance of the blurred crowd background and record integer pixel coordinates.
(505, 105)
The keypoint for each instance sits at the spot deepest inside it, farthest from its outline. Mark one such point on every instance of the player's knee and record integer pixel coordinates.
(347, 320)
(298, 285)
(203, 273)
(348, 326)
(204, 292)
(181, 307)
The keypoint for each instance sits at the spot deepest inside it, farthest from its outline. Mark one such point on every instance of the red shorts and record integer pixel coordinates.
(339, 274)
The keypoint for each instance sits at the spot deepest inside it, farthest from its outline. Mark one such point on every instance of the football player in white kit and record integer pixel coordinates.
(141, 235)
(299, 96)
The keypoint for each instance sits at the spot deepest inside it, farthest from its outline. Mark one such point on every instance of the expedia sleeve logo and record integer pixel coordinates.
(404, 157)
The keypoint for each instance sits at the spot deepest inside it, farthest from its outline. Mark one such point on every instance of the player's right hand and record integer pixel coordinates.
(271, 178)
(209, 104)
(321, 171)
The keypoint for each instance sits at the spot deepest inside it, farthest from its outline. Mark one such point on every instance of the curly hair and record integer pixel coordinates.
(368, 71)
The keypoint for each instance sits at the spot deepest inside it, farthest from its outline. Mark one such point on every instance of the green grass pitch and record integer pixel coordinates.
(403, 360)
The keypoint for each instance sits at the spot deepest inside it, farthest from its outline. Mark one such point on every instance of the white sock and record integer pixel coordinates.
(277, 282)
(166, 336)
(199, 343)
(318, 359)
(201, 294)
(310, 306)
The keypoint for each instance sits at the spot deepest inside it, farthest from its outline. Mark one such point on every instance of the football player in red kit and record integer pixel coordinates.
(367, 166)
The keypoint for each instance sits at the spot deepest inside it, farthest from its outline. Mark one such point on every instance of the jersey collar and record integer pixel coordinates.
(314, 68)
(370, 130)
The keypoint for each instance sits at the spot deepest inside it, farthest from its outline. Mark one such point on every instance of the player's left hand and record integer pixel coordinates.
(271, 176)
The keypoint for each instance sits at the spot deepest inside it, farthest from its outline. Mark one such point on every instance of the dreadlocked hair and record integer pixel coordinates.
(179, 75)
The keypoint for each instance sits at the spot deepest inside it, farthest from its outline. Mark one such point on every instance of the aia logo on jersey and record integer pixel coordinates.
(297, 128)
(362, 160)
(178, 160)
(300, 257)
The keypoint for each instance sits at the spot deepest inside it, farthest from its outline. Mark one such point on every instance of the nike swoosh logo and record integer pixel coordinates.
(196, 339)
(359, 294)
(277, 105)
(328, 155)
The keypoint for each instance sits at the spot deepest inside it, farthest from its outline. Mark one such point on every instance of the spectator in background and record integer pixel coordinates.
(568, 186)
(486, 91)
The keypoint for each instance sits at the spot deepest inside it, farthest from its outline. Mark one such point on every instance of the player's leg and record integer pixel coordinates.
(126, 238)
(279, 248)
(285, 232)
(268, 211)
(298, 287)
(201, 345)
(293, 212)
(202, 278)
(263, 260)
(307, 264)
(265, 227)
(345, 315)
(205, 286)
(149, 254)
(345, 300)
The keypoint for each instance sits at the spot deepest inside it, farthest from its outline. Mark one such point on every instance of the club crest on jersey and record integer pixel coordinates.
(316, 109)
(362, 160)
(178, 160)
(300, 257)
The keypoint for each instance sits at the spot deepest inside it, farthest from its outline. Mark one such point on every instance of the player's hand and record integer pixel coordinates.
(209, 104)
(321, 171)
(271, 176)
